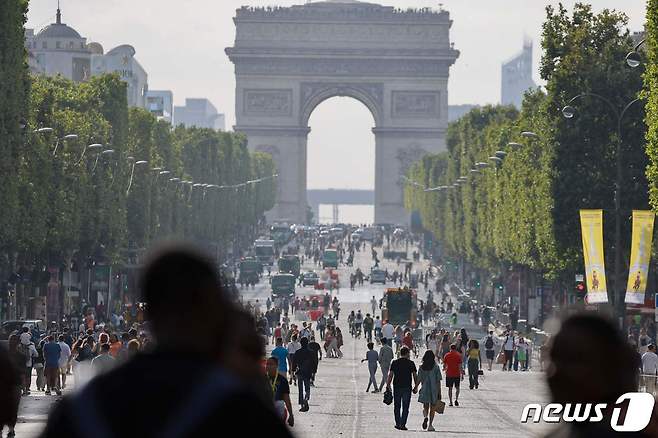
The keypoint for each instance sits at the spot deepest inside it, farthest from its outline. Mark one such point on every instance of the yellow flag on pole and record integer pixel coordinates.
(640, 256)
(591, 223)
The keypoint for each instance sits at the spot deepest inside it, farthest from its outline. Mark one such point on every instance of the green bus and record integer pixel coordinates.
(330, 258)
(289, 264)
(283, 285)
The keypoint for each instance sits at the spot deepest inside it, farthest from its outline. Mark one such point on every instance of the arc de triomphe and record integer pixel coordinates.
(290, 59)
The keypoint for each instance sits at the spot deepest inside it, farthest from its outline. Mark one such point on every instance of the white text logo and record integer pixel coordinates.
(638, 414)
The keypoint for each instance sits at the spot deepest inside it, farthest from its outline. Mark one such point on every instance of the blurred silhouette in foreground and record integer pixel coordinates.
(197, 380)
(11, 384)
(591, 362)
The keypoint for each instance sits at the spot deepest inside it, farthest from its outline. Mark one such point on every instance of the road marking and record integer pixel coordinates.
(356, 392)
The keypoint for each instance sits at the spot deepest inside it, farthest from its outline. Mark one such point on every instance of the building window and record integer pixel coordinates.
(70, 44)
(44, 45)
(82, 45)
(57, 44)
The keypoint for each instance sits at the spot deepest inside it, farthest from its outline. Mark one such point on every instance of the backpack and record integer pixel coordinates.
(489, 343)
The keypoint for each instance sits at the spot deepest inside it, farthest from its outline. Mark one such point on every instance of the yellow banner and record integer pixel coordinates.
(640, 256)
(591, 223)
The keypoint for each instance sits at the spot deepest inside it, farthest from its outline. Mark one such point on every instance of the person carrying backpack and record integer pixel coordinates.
(489, 347)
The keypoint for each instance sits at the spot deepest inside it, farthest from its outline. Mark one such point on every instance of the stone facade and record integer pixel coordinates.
(290, 59)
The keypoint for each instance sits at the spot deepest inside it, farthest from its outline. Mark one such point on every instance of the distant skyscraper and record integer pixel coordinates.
(199, 112)
(516, 77)
(160, 104)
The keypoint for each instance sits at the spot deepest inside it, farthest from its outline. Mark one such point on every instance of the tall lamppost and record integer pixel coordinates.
(568, 112)
(132, 173)
(63, 139)
(633, 58)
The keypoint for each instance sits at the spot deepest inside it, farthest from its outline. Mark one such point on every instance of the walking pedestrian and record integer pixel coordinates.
(489, 348)
(12, 363)
(429, 376)
(368, 325)
(29, 352)
(303, 366)
(650, 368)
(385, 358)
(474, 363)
(315, 348)
(372, 357)
(509, 346)
(401, 373)
(51, 354)
(522, 354)
(292, 348)
(452, 365)
(280, 390)
(64, 359)
(103, 362)
(281, 354)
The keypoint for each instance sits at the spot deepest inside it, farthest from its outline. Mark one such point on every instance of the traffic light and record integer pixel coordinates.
(500, 286)
(580, 286)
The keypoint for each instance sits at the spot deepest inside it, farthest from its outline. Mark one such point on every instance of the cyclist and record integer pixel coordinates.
(358, 322)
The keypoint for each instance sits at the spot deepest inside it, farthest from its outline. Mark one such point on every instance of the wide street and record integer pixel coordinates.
(339, 405)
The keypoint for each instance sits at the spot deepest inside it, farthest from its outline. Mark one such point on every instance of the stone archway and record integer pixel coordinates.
(290, 59)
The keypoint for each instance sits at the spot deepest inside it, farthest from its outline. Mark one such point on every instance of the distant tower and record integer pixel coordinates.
(516, 76)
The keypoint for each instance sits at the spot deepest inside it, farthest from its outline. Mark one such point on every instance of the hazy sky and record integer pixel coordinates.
(181, 46)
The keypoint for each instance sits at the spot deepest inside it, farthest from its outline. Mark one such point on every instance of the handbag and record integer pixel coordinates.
(388, 397)
(439, 407)
(501, 358)
(480, 372)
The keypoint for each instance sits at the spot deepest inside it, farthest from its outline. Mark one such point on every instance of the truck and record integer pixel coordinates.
(330, 258)
(289, 264)
(250, 270)
(283, 286)
(399, 306)
(265, 252)
(281, 233)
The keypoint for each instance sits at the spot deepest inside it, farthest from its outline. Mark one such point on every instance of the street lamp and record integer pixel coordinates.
(529, 134)
(43, 130)
(569, 112)
(91, 147)
(132, 173)
(633, 58)
(513, 144)
(65, 138)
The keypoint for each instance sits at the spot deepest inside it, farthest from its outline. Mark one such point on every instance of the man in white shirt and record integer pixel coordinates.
(509, 345)
(64, 357)
(650, 368)
(388, 331)
(293, 346)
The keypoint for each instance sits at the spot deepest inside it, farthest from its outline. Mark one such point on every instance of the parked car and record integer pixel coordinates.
(8, 327)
